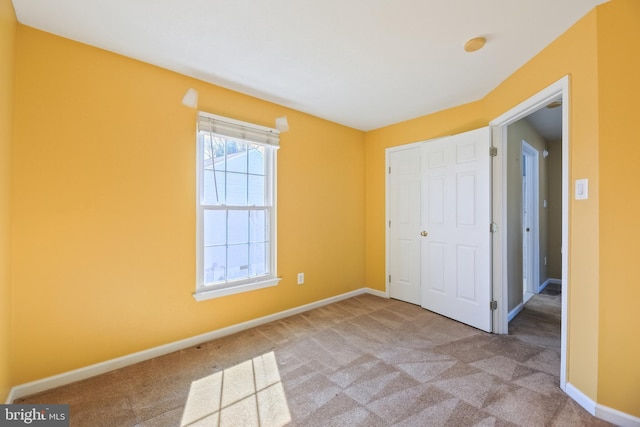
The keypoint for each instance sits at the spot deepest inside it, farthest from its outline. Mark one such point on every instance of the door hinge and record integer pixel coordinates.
(493, 151)
(389, 223)
(493, 305)
(493, 227)
(389, 170)
(389, 278)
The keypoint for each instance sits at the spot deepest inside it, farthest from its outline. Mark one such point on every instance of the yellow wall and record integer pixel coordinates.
(104, 208)
(574, 53)
(619, 69)
(103, 201)
(7, 73)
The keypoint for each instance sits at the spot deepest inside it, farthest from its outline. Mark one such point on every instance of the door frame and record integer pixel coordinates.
(499, 193)
(533, 252)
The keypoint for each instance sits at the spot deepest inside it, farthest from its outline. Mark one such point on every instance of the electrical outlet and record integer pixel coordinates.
(300, 278)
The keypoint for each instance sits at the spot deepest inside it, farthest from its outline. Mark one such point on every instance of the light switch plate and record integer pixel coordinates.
(582, 189)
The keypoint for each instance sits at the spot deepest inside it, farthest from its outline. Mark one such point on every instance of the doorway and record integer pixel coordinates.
(501, 273)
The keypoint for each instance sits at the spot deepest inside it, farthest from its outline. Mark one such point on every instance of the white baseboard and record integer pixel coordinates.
(547, 282)
(616, 417)
(513, 313)
(600, 411)
(120, 362)
(11, 396)
(581, 399)
(377, 293)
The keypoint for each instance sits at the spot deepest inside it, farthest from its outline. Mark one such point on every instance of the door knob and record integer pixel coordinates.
(528, 230)
(424, 234)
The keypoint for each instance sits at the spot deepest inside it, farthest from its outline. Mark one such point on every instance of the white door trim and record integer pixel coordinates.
(499, 124)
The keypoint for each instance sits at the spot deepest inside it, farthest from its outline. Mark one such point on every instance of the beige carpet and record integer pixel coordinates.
(365, 361)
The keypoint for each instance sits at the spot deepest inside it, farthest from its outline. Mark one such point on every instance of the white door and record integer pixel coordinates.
(404, 224)
(530, 257)
(455, 253)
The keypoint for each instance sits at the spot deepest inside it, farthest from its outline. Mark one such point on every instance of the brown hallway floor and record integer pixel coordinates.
(364, 361)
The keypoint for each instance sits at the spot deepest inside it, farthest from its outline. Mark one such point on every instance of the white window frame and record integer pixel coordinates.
(253, 134)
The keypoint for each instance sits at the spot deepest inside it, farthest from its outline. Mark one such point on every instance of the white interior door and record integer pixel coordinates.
(404, 224)
(456, 252)
(530, 257)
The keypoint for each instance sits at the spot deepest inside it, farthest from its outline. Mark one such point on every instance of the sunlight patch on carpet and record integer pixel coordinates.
(247, 394)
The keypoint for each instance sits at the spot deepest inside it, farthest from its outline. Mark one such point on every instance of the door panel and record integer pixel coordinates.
(405, 187)
(456, 252)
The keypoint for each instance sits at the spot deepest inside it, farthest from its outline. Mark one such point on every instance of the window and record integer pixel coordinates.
(236, 209)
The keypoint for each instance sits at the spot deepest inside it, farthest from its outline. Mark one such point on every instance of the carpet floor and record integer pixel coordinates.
(364, 361)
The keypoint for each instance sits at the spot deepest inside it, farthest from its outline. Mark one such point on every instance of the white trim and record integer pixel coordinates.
(500, 273)
(581, 399)
(204, 294)
(616, 417)
(11, 397)
(605, 413)
(513, 313)
(376, 293)
(130, 359)
(537, 101)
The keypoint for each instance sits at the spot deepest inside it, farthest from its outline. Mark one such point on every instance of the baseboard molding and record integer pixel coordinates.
(548, 282)
(616, 417)
(600, 411)
(581, 399)
(120, 362)
(11, 396)
(513, 313)
(377, 293)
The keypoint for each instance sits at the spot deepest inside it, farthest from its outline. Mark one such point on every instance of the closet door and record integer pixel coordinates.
(404, 204)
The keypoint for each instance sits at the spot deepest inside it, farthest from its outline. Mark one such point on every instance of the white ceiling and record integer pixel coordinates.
(361, 63)
(548, 123)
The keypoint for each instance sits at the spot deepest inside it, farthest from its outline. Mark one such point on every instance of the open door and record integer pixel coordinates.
(456, 217)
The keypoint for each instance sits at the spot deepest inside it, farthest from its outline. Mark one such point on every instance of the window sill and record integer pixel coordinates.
(206, 294)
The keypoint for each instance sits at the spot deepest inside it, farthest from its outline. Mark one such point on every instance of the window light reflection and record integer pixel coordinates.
(248, 394)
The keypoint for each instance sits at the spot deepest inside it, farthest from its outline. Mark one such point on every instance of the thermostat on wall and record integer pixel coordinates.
(582, 189)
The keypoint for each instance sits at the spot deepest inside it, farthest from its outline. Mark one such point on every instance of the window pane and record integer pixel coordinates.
(215, 260)
(238, 263)
(256, 160)
(238, 227)
(258, 227)
(256, 190)
(236, 156)
(212, 149)
(215, 227)
(236, 189)
(214, 187)
(258, 258)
